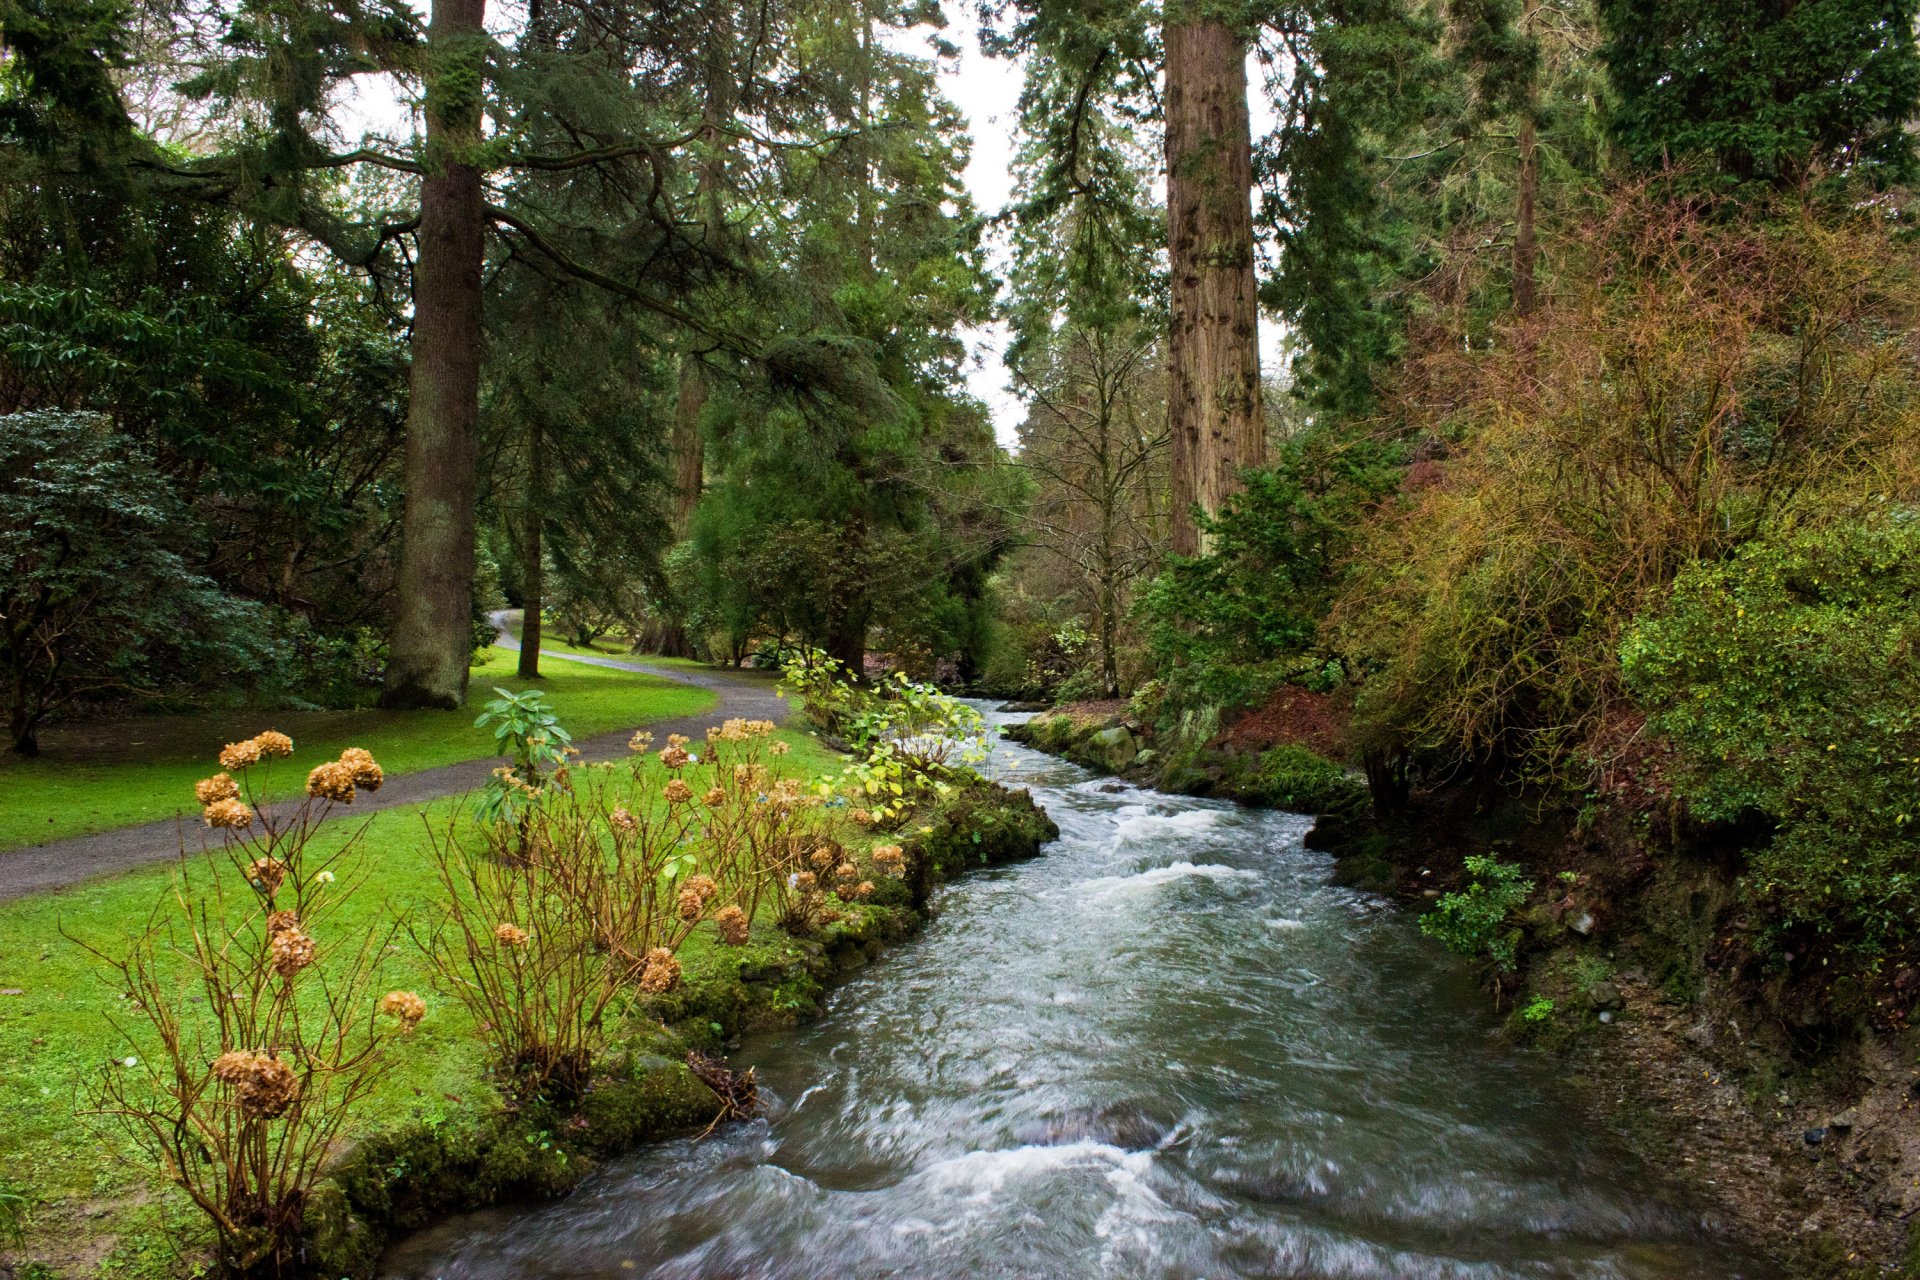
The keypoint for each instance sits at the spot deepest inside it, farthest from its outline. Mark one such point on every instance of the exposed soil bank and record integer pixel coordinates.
(1785, 1102)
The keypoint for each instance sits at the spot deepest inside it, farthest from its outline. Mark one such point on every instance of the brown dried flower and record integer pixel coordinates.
(805, 881)
(236, 756)
(661, 973)
(846, 871)
(273, 743)
(733, 925)
(823, 857)
(512, 935)
(291, 951)
(694, 896)
(715, 797)
(281, 921)
(863, 890)
(677, 791)
(231, 815)
(235, 1065)
(678, 739)
(269, 1090)
(366, 771)
(778, 748)
(621, 820)
(404, 1006)
(220, 786)
(265, 874)
(862, 817)
(640, 741)
(331, 781)
(891, 859)
(675, 757)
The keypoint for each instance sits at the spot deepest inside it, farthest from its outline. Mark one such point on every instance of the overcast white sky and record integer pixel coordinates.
(987, 91)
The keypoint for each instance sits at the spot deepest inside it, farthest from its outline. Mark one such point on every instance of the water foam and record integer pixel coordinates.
(1154, 877)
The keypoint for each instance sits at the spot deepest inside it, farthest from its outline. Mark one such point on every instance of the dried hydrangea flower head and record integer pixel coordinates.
(778, 748)
(891, 859)
(640, 741)
(281, 921)
(270, 1090)
(228, 815)
(404, 1007)
(805, 881)
(677, 791)
(694, 895)
(266, 1085)
(845, 872)
(235, 1065)
(512, 935)
(621, 820)
(861, 817)
(661, 973)
(678, 739)
(220, 786)
(675, 757)
(291, 951)
(236, 756)
(273, 743)
(863, 890)
(823, 857)
(331, 781)
(266, 874)
(715, 797)
(733, 926)
(365, 770)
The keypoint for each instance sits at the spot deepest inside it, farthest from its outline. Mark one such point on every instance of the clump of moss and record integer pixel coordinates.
(978, 825)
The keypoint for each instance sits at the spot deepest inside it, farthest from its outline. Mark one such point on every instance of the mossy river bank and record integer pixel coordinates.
(1166, 1048)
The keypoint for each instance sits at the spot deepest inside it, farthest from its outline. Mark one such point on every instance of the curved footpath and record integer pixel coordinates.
(62, 863)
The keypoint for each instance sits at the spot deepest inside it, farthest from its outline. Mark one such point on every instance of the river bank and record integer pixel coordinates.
(1169, 1047)
(1801, 1127)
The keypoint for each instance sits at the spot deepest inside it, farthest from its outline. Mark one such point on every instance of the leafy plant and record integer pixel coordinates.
(1478, 921)
(1539, 1009)
(1787, 676)
(526, 730)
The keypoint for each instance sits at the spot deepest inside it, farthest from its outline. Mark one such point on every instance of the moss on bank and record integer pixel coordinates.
(1287, 776)
(643, 1089)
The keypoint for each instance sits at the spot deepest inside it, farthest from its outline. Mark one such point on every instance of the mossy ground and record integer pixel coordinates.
(98, 776)
(436, 1135)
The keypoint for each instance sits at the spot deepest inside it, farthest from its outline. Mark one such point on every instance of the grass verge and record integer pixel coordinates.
(95, 777)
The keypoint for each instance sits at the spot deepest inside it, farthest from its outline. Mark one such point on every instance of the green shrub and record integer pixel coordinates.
(1293, 777)
(1789, 678)
(1478, 920)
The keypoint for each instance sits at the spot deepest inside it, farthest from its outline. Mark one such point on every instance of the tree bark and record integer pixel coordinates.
(1213, 354)
(531, 587)
(432, 639)
(667, 635)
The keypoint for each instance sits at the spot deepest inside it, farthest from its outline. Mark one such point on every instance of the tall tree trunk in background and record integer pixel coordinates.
(532, 591)
(433, 618)
(1526, 249)
(664, 634)
(1213, 353)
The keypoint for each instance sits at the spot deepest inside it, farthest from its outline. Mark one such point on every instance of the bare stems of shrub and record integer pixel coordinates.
(259, 1028)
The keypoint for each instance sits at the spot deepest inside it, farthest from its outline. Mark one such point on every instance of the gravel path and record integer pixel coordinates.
(61, 863)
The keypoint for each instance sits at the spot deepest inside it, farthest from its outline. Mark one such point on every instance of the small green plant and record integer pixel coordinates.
(1478, 920)
(526, 730)
(1538, 1009)
(13, 1215)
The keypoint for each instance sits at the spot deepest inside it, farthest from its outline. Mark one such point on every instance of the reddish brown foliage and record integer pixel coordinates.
(1291, 715)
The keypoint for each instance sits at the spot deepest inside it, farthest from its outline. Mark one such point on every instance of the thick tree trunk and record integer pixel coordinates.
(667, 636)
(531, 587)
(1526, 250)
(433, 619)
(1213, 354)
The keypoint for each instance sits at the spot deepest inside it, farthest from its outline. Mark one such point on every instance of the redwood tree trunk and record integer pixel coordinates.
(667, 635)
(433, 618)
(1213, 354)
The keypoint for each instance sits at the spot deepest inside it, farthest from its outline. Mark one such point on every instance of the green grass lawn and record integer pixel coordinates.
(60, 1007)
(96, 776)
(552, 641)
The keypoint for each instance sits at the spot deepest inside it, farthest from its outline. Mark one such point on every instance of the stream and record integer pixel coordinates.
(1165, 1048)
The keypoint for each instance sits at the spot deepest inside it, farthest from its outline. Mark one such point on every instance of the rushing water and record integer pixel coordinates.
(1166, 1048)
